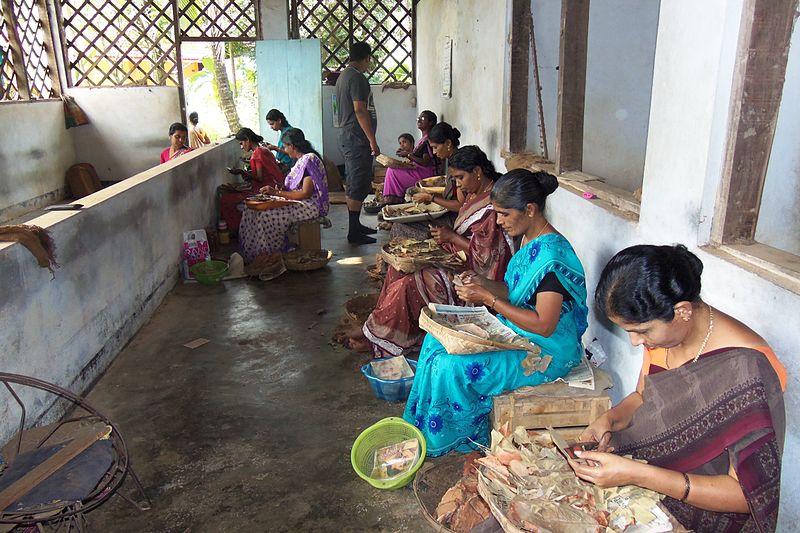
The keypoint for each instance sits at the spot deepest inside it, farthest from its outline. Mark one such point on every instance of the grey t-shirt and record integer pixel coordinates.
(352, 86)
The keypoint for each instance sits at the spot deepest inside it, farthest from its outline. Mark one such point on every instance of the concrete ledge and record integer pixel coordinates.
(119, 257)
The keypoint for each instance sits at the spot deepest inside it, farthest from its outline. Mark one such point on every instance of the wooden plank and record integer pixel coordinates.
(49, 47)
(520, 70)
(571, 85)
(29, 481)
(619, 198)
(17, 61)
(764, 37)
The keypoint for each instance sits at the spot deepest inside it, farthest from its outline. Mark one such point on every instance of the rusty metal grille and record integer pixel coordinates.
(127, 42)
(218, 20)
(387, 25)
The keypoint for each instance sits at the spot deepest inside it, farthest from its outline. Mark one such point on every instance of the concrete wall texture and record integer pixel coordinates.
(397, 113)
(696, 47)
(119, 257)
(779, 217)
(35, 152)
(478, 30)
(129, 128)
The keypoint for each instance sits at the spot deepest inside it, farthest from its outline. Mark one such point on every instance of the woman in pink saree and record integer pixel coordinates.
(422, 157)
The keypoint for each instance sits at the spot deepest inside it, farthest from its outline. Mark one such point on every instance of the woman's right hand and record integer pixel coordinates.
(422, 198)
(599, 431)
(272, 147)
(470, 276)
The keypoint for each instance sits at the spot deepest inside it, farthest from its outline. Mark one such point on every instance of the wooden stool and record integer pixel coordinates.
(553, 404)
(307, 235)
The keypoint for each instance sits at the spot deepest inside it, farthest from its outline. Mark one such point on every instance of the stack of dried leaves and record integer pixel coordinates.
(462, 508)
(529, 486)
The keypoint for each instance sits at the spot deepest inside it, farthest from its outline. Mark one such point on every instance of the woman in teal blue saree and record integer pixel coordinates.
(543, 298)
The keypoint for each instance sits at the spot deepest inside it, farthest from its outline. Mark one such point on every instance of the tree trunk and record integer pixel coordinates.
(226, 100)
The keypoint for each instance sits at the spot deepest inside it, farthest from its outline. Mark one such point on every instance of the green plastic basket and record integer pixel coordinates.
(384, 433)
(209, 272)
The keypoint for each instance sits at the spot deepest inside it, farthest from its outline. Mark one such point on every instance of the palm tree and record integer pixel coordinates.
(223, 86)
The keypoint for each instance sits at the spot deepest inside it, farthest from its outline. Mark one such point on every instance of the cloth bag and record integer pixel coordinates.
(195, 249)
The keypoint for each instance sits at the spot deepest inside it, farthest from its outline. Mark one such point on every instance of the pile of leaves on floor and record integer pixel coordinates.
(528, 485)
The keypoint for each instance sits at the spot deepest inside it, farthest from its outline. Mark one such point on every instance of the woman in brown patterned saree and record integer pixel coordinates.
(709, 423)
(393, 328)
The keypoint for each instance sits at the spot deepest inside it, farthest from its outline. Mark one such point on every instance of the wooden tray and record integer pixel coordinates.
(263, 205)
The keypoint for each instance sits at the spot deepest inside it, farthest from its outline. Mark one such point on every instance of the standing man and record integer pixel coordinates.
(357, 122)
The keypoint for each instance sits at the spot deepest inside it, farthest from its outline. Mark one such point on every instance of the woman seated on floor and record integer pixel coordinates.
(543, 299)
(264, 171)
(277, 122)
(708, 414)
(393, 327)
(422, 157)
(443, 140)
(264, 232)
(178, 134)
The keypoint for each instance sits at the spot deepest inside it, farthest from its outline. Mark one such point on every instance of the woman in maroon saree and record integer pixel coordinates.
(710, 425)
(393, 327)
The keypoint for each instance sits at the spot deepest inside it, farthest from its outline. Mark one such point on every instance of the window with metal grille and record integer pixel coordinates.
(218, 20)
(27, 51)
(387, 25)
(129, 42)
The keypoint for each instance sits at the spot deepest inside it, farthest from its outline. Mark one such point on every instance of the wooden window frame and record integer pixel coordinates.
(568, 161)
(758, 80)
(19, 58)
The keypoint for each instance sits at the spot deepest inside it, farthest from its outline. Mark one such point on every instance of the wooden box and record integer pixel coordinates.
(309, 236)
(552, 404)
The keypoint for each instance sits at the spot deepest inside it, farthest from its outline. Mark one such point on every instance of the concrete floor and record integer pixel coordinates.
(251, 432)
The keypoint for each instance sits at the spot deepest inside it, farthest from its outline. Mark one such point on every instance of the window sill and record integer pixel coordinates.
(618, 201)
(772, 264)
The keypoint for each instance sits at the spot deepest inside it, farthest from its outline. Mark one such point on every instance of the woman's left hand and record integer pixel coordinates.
(605, 469)
(401, 153)
(442, 234)
(270, 190)
(474, 294)
(272, 147)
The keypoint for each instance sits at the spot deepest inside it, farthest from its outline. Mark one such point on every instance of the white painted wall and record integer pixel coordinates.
(688, 124)
(478, 30)
(619, 71)
(397, 113)
(779, 217)
(35, 152)
(119, 257)
(129, 128)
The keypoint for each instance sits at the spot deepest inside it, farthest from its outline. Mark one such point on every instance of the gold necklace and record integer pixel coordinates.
(546, 223)
(705, 341)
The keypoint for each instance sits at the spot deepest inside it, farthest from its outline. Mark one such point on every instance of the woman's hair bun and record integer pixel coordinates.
(547, 181)
(456, 134)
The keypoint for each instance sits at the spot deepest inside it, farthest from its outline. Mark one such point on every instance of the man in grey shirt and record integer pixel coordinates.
(357, 124)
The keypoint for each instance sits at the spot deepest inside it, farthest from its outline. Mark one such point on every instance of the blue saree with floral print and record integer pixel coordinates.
(452, 394)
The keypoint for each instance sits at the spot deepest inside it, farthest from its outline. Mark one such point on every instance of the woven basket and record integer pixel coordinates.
(409, 265)
(460, 343)
(391, 162)
(430, 484)
(305, 260)
(358, 309)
